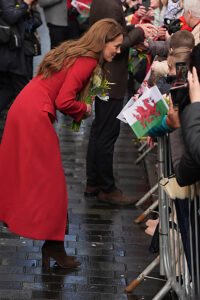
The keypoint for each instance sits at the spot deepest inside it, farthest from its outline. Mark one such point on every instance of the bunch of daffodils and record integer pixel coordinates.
(97, 87)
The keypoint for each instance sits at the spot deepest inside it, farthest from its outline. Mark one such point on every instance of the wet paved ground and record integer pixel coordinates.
(112, 249)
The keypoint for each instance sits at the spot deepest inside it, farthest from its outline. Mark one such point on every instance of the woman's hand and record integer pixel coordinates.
(172, 119)
(194, 85)
(162, 33)
(31, 4)
(141, 12)
(28, 2)
(148, 29)
(34, 3)
(88, 112)
(150, 141)
(135, 97)
(150, 13)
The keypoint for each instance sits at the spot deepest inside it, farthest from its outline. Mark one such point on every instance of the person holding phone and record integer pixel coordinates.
(177, 57)
(144, 13)
(184, 139)
(190, 117)
(185, 148)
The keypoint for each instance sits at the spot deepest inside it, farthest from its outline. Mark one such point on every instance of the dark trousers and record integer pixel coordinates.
(104, 133)
(184, 214)
(10, 86)
(59, 34)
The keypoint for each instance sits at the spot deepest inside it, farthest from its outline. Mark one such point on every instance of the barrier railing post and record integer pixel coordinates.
(146, 212)
(147, 195)
(180, 265)
(149, 149)
(141, 277)
(161, 194)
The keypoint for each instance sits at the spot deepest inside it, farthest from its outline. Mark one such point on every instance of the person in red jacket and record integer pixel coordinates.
(33, 194)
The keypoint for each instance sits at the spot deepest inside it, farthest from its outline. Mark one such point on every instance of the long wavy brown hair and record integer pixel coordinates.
(91, 44)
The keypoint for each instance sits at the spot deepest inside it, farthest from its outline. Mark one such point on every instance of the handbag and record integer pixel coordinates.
(5, 32)
(31, 44)
(9, 35)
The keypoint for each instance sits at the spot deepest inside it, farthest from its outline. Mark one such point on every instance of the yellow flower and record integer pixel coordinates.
(96, 81)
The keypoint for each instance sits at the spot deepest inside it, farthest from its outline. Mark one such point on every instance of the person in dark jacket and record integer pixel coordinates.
(184, 139)
(105, 128)
(33, 21)
(13, 67)
(190, 117)
(185, 149)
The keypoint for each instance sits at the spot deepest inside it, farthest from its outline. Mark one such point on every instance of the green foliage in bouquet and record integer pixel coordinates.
(97, 86)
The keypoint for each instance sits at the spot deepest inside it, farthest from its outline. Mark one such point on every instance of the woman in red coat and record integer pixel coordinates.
(33, 194)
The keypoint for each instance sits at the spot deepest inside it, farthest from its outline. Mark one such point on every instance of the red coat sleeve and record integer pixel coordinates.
(76, 79)
(135, 19)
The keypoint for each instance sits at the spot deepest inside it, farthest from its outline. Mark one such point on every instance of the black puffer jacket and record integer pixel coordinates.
(190, 122)
(14, 13)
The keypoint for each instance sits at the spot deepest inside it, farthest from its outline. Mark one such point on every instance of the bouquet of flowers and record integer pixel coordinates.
(96, 87)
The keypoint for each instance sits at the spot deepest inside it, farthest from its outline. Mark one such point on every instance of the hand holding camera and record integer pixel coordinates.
(163, 33)
(172, 26)
(141, 12)
(150, 13)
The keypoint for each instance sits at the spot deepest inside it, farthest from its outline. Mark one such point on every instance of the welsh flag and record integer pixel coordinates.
(146, 112)
(140, 91)
(82, 6)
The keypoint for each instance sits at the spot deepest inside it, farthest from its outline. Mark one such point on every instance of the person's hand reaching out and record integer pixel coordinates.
(172, 119)
(194, 86)
(148, 29)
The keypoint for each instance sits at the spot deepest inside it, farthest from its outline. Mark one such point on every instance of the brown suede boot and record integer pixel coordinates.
(91, 191)
(116, 197)
(56, 250)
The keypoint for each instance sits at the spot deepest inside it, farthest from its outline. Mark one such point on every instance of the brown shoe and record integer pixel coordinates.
(116, 197)
(56, 250)
(91, 191)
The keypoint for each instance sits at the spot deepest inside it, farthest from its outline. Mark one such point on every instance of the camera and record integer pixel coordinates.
(172, 26)
(180, 96)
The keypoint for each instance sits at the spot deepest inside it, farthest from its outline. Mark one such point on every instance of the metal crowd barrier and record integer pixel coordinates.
(178, 234)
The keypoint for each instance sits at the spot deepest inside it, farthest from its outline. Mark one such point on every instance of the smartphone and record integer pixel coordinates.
(180, 96)
(146, 4)
(181, 72)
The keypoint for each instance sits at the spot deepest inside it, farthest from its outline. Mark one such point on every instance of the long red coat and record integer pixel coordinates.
(33, 194)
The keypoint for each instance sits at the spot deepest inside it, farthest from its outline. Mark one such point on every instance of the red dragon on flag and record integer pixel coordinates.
(146, 115)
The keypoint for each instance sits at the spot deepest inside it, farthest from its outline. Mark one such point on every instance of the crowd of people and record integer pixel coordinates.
(116, 34)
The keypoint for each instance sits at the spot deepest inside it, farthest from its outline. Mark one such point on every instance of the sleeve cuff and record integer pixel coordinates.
(142, 31)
